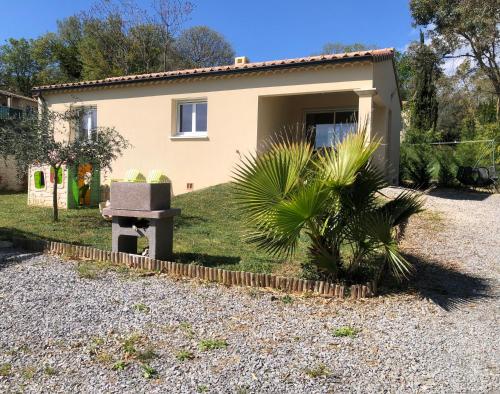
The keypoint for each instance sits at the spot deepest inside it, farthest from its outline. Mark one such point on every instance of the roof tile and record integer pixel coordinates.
(376, 54)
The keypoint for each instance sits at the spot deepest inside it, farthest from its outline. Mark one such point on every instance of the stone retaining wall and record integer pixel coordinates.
(230, 278)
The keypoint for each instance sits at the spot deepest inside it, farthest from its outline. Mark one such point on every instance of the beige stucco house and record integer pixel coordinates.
(194, 124)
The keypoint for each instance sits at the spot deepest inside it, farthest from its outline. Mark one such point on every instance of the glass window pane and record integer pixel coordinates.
(345, 122)
(201, 117)
(88, 122)
(186, 122)
(325, 135)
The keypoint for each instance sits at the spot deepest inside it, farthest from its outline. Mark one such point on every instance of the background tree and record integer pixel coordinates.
(20, 68)
(45, 139)
(424, 104)
(66, 47)
(201, 46)
(405, 72)
(465, 28)
(339, 47)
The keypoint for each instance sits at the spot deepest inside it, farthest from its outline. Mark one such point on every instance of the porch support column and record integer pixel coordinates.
(365, 109)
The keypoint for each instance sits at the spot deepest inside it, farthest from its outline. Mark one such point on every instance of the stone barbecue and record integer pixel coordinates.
(142, 210)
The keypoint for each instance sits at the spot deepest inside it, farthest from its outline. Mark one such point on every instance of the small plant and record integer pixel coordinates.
(212, 344)
(148, 372)
(142, 308)
(120, 365)
(345, 332)
(202, 388)
(317, 371)
(5, 369)
(287, 299)
(184, 355)
(50, 371)
(130, 343)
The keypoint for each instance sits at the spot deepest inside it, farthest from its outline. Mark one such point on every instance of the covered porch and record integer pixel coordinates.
(327, 117)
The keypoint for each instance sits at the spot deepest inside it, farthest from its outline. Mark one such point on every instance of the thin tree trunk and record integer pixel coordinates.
(55, 207)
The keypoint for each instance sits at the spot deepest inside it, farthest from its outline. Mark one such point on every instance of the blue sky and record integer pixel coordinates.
(259, 29)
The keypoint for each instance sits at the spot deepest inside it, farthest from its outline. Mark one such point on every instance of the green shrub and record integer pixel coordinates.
(447, 167)
(419, 166)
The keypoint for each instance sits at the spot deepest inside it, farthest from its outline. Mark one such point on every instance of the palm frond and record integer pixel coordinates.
(261, 181)
(379, 228)
(399, 209)
(339, 166)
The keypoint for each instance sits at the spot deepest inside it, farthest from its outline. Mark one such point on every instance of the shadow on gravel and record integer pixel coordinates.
(460, 194)
(446, 287)
(10, 257)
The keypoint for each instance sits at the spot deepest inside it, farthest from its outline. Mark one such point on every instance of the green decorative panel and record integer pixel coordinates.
(39, 180)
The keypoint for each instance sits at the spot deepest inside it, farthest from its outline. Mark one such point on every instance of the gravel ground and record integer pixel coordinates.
(64, 333)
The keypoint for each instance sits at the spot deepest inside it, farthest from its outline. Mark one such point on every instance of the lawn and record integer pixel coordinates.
(208, 232)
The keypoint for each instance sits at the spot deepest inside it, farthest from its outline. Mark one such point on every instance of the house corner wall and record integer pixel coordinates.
(384, 80)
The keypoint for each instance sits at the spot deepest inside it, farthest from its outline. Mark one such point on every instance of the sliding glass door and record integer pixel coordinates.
(327, 128)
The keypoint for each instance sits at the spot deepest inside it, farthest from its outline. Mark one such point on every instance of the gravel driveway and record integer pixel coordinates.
(124, 333)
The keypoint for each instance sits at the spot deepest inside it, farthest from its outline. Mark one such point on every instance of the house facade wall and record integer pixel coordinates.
(9, 179)
(242, 111)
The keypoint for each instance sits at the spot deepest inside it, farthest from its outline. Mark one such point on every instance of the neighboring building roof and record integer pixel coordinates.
(10, 94)
(371, 55)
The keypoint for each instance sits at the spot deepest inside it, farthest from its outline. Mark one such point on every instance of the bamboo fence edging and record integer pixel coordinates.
(228, 278)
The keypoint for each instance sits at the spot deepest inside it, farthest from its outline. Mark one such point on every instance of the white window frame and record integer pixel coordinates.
(333, 110)
(193, 133)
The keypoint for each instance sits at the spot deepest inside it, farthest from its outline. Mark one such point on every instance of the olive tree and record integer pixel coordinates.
(45, 138)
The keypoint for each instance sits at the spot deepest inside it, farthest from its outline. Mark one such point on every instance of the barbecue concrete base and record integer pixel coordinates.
(156, 226)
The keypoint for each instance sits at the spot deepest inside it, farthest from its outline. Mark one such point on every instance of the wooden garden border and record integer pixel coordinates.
(229, 278)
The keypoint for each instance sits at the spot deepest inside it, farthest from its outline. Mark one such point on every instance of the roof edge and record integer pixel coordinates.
(372, 55)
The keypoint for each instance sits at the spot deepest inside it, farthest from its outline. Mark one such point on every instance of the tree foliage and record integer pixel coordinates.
(201, 46)
(339, 47)
(464, 28)
(113, 38)
(424, 104)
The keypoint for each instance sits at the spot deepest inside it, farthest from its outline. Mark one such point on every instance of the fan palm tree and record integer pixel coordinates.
(332, 196)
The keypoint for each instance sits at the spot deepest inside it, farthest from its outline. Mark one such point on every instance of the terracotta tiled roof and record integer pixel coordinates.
(7, 93)
(375, 55)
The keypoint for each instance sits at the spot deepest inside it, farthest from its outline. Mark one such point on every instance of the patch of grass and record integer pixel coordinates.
(148, 372)
(104, 357)
(120, 365)
(5, 369)
(346, 331)
(142, 308)
(49, 371)
(146, 355)
(28, 373)
(202, 388)
(96, 269)
(210, 237)
(184, 355)
(317, 371)
(287, 299)
(212, 344)
(187, 329)
(88, 270)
